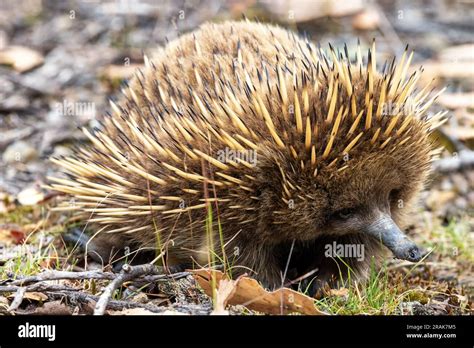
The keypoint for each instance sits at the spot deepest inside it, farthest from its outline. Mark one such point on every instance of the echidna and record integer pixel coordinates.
(241, 141)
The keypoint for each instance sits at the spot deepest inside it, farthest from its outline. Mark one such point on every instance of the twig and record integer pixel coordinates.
(387, 29)
(464, 160)
(409, 264)
(128, 273)
(118, 305)
(56, 292)
(57, 275)
(20, 293)
(163, 277)
(15, 135)
(38, 287)
(80, 297)
(143, 274)
(17, 79)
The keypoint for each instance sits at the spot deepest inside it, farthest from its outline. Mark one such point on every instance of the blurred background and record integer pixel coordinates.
(61, 61)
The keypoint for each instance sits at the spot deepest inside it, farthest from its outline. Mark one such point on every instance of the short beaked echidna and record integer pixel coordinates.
(242, 141)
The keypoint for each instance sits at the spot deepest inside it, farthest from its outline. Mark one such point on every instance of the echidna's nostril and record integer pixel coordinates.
(414, 254)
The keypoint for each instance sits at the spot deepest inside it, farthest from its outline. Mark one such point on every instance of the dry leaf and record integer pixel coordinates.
(11, 234)
(342, 292)
(34, 296)
(249, 293)
(225, 291)
(21, 58)
(18, 236)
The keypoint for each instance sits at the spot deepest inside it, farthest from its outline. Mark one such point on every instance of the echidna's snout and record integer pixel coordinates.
(384, 229)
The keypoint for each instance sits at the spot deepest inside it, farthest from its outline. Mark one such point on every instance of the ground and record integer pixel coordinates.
(60, 62)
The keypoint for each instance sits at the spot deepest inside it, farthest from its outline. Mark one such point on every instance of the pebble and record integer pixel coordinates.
(366, 20)
(460, 182)
(470, 198)
(19, 151)
(61, 150)
(446, 185)
(460, 203)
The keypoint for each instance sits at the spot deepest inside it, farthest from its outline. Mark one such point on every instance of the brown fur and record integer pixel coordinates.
(182, 102)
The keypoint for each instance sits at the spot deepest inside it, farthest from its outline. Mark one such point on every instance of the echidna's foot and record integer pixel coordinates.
(106, 249)
(76, 236)
(79, 239)
(99, 249)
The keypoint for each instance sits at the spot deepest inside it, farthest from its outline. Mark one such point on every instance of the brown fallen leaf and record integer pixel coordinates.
(21, 58)
(33, 296)
(342, 292)
(36, 296)
(249, 293)
(18, 236)
(225, 290)
(11, 234)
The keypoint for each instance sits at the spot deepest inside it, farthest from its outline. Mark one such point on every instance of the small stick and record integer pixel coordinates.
(38, 287)
(57, 275)
(128, 273)
(85, 275)
(464, 160)
(20, 293)
(75, 296)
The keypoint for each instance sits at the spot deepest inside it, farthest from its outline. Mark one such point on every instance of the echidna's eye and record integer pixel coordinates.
(344, 214)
